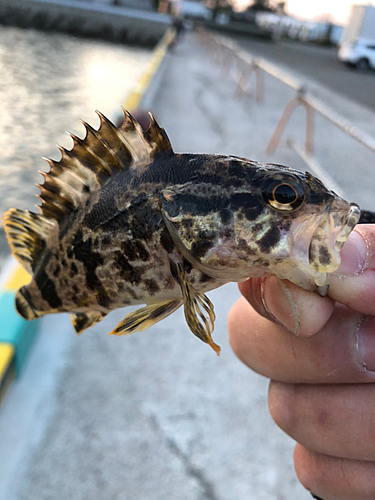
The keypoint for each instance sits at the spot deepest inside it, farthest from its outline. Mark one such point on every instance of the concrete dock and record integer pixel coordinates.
(158, 415)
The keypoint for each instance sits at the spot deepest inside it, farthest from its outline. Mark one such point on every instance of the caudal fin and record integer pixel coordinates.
(24, 305)
(27, 233)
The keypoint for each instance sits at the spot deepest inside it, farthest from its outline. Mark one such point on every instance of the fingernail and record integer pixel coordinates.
(279, 303)
(353, 255)
(366, 343)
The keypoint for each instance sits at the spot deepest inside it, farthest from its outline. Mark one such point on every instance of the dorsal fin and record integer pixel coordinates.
(27, 234)
(157, 136)
(102, 154)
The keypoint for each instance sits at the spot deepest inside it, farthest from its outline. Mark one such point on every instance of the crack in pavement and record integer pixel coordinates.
(191, 470)
(213, 121)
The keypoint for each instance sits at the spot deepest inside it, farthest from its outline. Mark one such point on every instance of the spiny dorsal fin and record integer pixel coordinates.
(27, 234)
(103, 153)
(157, 137)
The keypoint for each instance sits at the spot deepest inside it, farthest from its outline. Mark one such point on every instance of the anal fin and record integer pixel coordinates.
(145, 317)
(199, 311)
(83, 320)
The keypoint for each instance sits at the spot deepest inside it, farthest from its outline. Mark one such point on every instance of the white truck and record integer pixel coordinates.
(357, 45)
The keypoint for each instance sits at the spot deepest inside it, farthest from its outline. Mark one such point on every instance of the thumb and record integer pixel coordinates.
(280, 301)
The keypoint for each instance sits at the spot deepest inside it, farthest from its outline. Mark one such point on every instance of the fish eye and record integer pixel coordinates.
(283, 194)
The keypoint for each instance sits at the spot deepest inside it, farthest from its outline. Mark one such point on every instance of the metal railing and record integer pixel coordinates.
(240, 65)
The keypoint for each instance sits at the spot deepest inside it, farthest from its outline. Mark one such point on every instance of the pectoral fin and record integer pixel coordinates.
(199, 311)
(145, 317)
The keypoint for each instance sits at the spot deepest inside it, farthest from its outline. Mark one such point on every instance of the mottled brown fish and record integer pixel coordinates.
(124, 220)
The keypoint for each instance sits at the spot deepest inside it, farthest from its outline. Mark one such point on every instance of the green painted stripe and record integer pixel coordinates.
(16, 338)
(15, 330)
(8, 374)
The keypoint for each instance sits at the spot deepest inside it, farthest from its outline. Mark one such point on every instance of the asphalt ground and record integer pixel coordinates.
(319, 63)
(157, 415)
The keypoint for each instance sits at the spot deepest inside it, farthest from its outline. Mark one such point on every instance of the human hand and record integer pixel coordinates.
(319, 353)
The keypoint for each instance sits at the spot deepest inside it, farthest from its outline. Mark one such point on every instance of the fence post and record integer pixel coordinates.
(259, 78)
(242, 81)
(227, 61)
(280, 127)
(309, 142)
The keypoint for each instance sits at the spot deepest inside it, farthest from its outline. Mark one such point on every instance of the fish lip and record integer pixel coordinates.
(317, 244)
(352, 220)
(337, 222)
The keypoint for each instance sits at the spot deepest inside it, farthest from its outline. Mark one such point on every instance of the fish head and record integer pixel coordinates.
(275, 221)
(306, 226)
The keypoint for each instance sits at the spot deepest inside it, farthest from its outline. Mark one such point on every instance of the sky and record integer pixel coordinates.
(339, 9)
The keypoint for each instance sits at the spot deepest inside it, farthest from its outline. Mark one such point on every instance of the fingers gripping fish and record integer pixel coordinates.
(124, 220)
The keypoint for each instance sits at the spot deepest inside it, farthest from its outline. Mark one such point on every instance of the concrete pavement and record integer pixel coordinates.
(157, 415)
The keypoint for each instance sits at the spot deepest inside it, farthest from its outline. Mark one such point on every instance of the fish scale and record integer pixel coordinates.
(124, 220)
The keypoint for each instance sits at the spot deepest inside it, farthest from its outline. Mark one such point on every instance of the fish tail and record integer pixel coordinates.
(27, 235)
(25, 306)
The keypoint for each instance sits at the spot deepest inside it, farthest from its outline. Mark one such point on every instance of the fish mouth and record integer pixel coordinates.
(350, 223)
(333, 230)
(316, 245)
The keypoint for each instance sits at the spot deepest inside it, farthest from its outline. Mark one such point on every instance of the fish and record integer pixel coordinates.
(124, 220)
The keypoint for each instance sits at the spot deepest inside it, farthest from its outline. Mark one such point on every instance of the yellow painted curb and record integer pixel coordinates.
(19, 278)
(7, 370)
(6, 356)
(133, 100)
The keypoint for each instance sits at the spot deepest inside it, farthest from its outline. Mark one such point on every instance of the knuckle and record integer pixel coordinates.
(234, 327)
(334, 477)
(282, 403)
(308, 469)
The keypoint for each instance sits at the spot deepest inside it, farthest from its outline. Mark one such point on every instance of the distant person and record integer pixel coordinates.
(178, 24)
(319, 353)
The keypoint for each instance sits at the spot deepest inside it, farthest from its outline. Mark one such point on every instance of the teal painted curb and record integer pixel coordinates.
(15, 330)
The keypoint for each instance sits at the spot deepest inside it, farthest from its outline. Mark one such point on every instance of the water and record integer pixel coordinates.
(49, 81)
